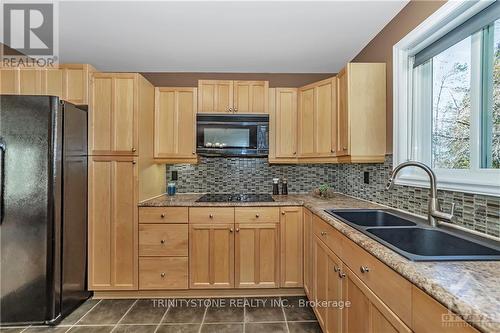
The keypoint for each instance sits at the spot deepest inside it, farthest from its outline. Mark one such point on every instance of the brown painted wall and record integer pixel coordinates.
(380, 47)
(190, 79)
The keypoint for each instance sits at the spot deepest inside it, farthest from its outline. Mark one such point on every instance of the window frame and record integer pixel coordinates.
(475, 179)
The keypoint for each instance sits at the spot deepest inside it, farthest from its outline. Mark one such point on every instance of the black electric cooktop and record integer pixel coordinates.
(261, 197)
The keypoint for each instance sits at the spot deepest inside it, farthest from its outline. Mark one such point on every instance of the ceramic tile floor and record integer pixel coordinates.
(251, 315)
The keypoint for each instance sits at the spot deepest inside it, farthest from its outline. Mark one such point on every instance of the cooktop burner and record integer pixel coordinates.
(261, 197)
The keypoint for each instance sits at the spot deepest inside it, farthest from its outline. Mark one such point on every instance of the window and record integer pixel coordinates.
(447, 102)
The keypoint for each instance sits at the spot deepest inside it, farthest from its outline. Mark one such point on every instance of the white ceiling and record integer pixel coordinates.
(263, 37)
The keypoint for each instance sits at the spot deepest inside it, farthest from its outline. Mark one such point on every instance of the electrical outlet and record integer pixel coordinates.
(366, 177)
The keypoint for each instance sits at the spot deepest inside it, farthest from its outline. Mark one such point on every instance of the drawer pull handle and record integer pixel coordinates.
(162, 274)
(211, 216)
(341, 275)
(323, 233)
(364, 269)
(162, 241)
(162, 216)
(257, 215)
(336, 269)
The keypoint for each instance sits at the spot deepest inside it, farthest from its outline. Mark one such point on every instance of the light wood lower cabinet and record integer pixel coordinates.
(211, 255)
(163, 273)
(113, 215)
(367, 312)
(308, 252)
(291, 247)
(163, 240)
(257, 255)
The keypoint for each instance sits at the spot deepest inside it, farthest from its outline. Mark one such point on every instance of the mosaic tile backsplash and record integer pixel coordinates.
(254, 175)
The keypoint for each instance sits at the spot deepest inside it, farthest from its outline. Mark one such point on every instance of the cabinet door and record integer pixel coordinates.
(211, 256)
(291, 247)
(251, 96)
(334, 293)
(308, 252)
(366, 311)
(320, 279)
(112, 224)
(76, 82)
(306, 122)
(286, 123)
(175, 121)
(343, 113)
(257, 255)
(53, 82)
(215, 96)
(30, 81)
(9, 81)
(113, 120)
(325, 118)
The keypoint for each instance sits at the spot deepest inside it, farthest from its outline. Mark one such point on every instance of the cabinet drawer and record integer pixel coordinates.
(392, 288)
(163, 240)
(163, 273)
(331, 237)
(257, 214)
(211, 215)
(163, 215)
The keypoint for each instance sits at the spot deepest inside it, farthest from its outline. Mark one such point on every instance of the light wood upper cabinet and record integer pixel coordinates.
(211, 255)
(362, 112)
(257, 255)
(342, 102)
(283, 125)
(175, 124)
(113, 121)
(215, 96)
(291, 247)
(70, 82)
(251, 96)
(113, 256)
(226, 96)
(317, 119)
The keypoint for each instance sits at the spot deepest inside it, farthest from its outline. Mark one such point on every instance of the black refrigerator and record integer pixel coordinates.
(43, 226)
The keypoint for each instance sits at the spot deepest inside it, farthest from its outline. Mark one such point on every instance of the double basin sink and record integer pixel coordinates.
(411, 238)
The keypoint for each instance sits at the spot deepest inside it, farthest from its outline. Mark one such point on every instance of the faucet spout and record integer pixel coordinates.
(434, 213)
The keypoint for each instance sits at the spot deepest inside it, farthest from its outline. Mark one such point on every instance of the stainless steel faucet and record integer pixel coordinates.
(434, 213)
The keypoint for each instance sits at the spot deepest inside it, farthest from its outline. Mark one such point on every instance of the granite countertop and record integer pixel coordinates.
(470, 289)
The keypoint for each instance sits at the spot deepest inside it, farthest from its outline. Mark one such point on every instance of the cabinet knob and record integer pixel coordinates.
(162, 274)
(282, 213)
(230, 110)
(231, 230)
(235, 109)
(333, 150)
(194, 153)
(295, 153)
(323, 233)
(257, 215)
(134, 162)
(364, 269)
(336, 269)
(162, 216)
(345, 148)
(133, 149)
(211, 216)
(237, 229)
(341, 275)
(162, 241)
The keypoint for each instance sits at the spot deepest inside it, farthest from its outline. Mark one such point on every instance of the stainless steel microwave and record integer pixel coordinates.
(232, 135)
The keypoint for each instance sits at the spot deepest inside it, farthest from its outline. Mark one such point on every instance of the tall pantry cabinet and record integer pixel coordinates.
(121, 174)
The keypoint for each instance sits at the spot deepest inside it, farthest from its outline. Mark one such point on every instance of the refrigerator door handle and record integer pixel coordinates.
(2, 178)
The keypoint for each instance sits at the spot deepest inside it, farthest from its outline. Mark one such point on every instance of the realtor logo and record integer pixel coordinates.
(29, 28)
